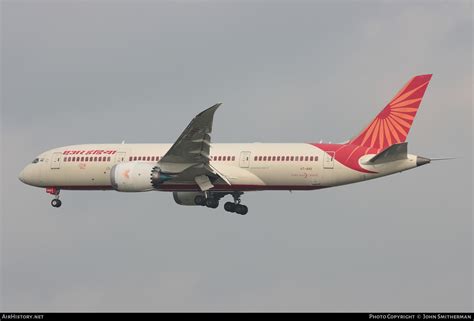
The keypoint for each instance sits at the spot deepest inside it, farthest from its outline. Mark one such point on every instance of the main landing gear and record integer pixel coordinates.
(236, 207)
(56, 202)
(212, 201)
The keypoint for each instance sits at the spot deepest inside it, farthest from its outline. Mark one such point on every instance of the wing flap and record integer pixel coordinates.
(203, 182)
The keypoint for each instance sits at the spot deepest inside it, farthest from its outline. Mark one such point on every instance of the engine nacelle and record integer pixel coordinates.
(132, 176)
(186, 198)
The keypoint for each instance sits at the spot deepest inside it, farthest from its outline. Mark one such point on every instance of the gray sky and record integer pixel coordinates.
(101, 72)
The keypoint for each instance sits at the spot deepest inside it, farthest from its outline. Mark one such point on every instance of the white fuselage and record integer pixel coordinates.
(200, 173)
(247, 167)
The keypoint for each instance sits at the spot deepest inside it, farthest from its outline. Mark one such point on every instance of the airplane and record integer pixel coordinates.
(200, 173)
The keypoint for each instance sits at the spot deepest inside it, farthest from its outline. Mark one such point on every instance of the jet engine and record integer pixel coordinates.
(186, 198)
(136, 177)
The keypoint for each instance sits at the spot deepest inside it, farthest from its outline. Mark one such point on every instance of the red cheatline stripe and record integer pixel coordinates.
(353, 151)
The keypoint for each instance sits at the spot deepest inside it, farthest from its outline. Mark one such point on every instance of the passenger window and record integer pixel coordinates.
(287, 158)
(95, 159)
(82, 158)
(315, 158)
(278, 158)
(306, 158)
(291, 158)
(148, 158)
(264, 158)
(255, 158)
(233, 158)
(260, 158)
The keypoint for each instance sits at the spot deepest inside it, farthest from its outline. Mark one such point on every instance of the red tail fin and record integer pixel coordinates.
(393, 123)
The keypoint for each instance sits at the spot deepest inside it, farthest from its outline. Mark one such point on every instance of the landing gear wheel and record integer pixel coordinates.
(200, 200)
(241, 209)
(56, 203)
(230, 207)
(212, 203)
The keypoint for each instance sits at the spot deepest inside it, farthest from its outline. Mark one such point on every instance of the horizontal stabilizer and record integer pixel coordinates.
(393, 153)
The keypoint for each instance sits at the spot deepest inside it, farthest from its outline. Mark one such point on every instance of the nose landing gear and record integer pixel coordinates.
(56, 202)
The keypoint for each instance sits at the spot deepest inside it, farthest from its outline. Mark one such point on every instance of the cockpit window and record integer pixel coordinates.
(36, 160)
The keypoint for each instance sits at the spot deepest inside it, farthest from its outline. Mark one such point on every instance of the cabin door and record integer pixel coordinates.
(56, 160)
(244, 159)
(329, 159)
(120, 157)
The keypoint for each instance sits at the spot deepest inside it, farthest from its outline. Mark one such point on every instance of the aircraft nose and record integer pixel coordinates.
(22, 176)
(29, 175)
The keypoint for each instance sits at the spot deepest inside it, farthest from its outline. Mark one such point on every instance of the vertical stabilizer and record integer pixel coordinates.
(392, 124)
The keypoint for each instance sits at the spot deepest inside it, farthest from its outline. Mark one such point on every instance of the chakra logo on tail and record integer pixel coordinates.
(393, 123)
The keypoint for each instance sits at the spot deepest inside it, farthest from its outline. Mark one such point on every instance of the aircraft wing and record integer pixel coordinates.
(188, 158)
